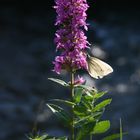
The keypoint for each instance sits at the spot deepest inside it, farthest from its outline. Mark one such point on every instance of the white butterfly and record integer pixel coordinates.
(97, 68)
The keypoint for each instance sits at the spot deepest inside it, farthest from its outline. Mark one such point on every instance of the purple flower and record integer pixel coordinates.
(79, 80)
(70, 39)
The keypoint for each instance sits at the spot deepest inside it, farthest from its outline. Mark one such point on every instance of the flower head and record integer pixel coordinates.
(69, 38)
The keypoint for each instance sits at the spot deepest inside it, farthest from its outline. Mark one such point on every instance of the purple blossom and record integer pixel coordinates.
(70, 39)
(79, 80)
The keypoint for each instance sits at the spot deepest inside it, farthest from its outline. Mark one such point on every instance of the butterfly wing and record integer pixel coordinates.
(94, 70)
(97, 68)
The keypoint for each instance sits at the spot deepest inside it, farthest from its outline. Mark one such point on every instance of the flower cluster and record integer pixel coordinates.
(70, 39)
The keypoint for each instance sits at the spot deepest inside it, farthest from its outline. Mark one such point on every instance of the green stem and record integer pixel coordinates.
(121, 135)
(72, 94)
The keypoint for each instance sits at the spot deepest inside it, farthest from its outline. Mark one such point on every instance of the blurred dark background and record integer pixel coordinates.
(27, 51)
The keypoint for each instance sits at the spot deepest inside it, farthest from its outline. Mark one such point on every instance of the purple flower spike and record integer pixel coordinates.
(70, 39)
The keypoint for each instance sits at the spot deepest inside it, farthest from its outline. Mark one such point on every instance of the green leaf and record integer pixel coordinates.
(121, 135)
(61, 82)
(89, 97)
(46, 137)
(64, 101)
(78, 95)
(85, 120)
(101, 127)
(60, 113)
(99, 95)
(114, 136)
(52, 138)
(80, 110)
(43, 137)
(58, 138)
(62, 138)
(85, 131)
(102, 105)
(88, 104)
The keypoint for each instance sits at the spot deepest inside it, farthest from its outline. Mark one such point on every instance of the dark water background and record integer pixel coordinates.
(27, 51)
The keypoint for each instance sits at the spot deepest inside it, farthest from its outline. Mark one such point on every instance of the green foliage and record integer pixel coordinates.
(46, 137)
(78, 95)
(61, 82)
(114, 136)
(86, 88)
(85, 130)
(60, 113)
(121, 133)
(101, 127)
(99, 94)
(87, 112)
(43, 137)
(102, 105)
(85, 120)
(69, 103)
